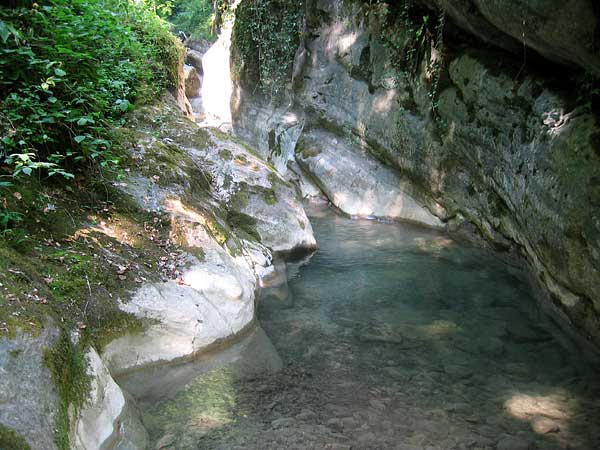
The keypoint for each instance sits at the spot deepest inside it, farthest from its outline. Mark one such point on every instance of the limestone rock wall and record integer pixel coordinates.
(509, 150)
(27, 400)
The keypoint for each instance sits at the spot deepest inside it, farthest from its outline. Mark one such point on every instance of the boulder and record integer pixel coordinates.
(192, 82)
(194, 58)
(201, 46)
(212, 301)
(255, 189)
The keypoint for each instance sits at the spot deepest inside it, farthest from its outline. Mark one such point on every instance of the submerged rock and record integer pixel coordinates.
(543, 425)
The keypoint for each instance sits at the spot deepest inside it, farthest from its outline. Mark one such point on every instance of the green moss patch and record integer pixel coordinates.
(265, 37)
(225, 155)
(269, 196)
(244, 224)
(80, 250)
(309, 151)
(11, 440)
(68, 365)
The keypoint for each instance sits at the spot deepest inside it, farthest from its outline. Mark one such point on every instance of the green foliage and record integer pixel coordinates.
(266, 36)
(195, 18)
(9, 439)
(69, 70)
(422, 34)
(68, 366)
(7, 216)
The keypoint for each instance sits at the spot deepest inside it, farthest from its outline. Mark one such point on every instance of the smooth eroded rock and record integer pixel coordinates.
(107, 417)
(213, 300)
(357, 183)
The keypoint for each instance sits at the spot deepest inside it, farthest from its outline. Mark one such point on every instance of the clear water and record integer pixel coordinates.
(391, 337)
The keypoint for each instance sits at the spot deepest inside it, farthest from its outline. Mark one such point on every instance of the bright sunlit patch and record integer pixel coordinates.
(224, 283)
(175, 206)
(440, 328)
(340, 42)
(216, 85)
(121, 229)
(383, 101)
(525, 407)
(433, 245)
(290, 118)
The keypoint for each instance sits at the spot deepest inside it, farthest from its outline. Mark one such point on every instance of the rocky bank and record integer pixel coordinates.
(192, 235)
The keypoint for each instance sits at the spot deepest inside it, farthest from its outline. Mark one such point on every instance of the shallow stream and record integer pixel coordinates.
(389, 337)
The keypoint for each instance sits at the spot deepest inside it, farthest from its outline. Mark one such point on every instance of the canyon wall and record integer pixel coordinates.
(483, 110)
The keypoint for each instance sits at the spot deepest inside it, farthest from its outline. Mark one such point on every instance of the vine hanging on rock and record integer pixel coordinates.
(266, 36)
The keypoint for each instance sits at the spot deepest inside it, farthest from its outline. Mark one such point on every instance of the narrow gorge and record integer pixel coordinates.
(318, 224)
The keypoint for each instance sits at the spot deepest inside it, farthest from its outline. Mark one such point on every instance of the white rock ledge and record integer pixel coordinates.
(213, 301)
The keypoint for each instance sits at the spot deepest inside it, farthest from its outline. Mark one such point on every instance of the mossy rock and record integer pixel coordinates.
(269, 196)
(225, 155)
(244, 224)
(11, 440)
(68, 365)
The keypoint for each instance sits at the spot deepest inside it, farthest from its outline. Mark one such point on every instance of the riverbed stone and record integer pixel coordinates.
(512, 443)
(544, 425)
(283, 422)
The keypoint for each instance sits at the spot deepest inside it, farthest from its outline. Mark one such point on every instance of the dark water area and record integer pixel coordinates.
(389, 337)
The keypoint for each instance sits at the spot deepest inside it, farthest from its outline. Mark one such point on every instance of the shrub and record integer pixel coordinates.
(195, 18)
(69, 70)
